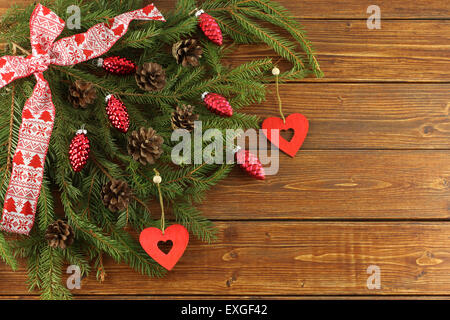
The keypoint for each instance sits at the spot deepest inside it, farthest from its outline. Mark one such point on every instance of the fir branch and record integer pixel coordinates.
(281, 45)
(193, 219)
(45, 204)
(50, 273)
(103, 233)
(6, 253)
(135, 256)
(10, 137)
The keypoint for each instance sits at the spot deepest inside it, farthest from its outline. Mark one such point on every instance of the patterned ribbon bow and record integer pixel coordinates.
(39, 112)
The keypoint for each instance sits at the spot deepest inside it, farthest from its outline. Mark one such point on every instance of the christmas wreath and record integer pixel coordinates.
(93, 126)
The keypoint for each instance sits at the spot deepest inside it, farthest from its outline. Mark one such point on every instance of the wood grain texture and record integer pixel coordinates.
(357, 9)
(5, 4)
(340, 185)
(343, 9)
(412, 51)
(378, 148)
(305, 258)
(230, 297)
(367, 116)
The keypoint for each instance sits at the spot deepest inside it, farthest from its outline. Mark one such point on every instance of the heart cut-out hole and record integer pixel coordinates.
(287, 134)
(165, 246)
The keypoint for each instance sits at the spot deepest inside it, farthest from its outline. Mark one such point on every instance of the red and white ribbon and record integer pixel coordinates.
(39, 112)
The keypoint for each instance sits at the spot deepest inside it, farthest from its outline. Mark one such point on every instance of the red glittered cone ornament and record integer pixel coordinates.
(217, 104)
(117, 65)
(210, 27)
(117, 114)
(79, 150)
(48, 48)
(251, 164)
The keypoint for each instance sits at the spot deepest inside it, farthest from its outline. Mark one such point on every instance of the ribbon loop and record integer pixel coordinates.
(39, 112)
(45, 27)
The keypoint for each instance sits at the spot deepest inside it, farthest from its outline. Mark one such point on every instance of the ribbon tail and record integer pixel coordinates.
(100, 38)
(28, 162)
(12, 68)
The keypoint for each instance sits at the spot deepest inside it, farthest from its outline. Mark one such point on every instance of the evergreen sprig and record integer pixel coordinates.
(99, 232)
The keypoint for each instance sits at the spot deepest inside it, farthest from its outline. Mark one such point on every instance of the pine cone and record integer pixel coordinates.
(82, 94)
(187, 52)
(59, 234)
(144, 145)
(116, 195)
(183, 118)
(150, 77)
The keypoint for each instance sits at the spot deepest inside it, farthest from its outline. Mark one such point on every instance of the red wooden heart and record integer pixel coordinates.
(179, 236)
(273, 126)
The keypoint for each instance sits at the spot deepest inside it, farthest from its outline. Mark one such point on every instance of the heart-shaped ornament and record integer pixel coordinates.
(273, 126)
(176, 233)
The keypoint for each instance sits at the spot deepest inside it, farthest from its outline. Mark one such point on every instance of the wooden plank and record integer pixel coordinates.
(367, 116)
(344, 9)
(357, 9)
(209, 297)
(343, 184)
(291, 258)
(5, 4)
(340, 185)
(410, 51)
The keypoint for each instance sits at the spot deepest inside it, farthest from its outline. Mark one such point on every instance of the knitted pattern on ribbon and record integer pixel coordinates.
(39, 112)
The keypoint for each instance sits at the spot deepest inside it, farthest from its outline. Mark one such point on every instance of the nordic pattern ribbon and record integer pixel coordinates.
(39, 112)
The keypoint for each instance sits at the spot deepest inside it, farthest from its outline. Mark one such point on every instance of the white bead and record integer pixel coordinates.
(276, 71)
(100, 62)
(157, 179)
(199, 13)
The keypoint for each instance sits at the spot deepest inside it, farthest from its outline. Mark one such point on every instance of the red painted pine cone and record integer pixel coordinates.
(251, 164)
(117, 65)
(79, 151)
(217, 104)
(210, 27)
(117, 114)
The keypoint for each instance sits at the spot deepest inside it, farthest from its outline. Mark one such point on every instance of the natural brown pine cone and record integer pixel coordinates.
(150, 77)
(116, 195)
(183, 118)
(82, 94)
(59, 234)
(187, 52)
(145, 146)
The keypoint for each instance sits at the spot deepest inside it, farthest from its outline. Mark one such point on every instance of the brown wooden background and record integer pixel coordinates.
(370, 186)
